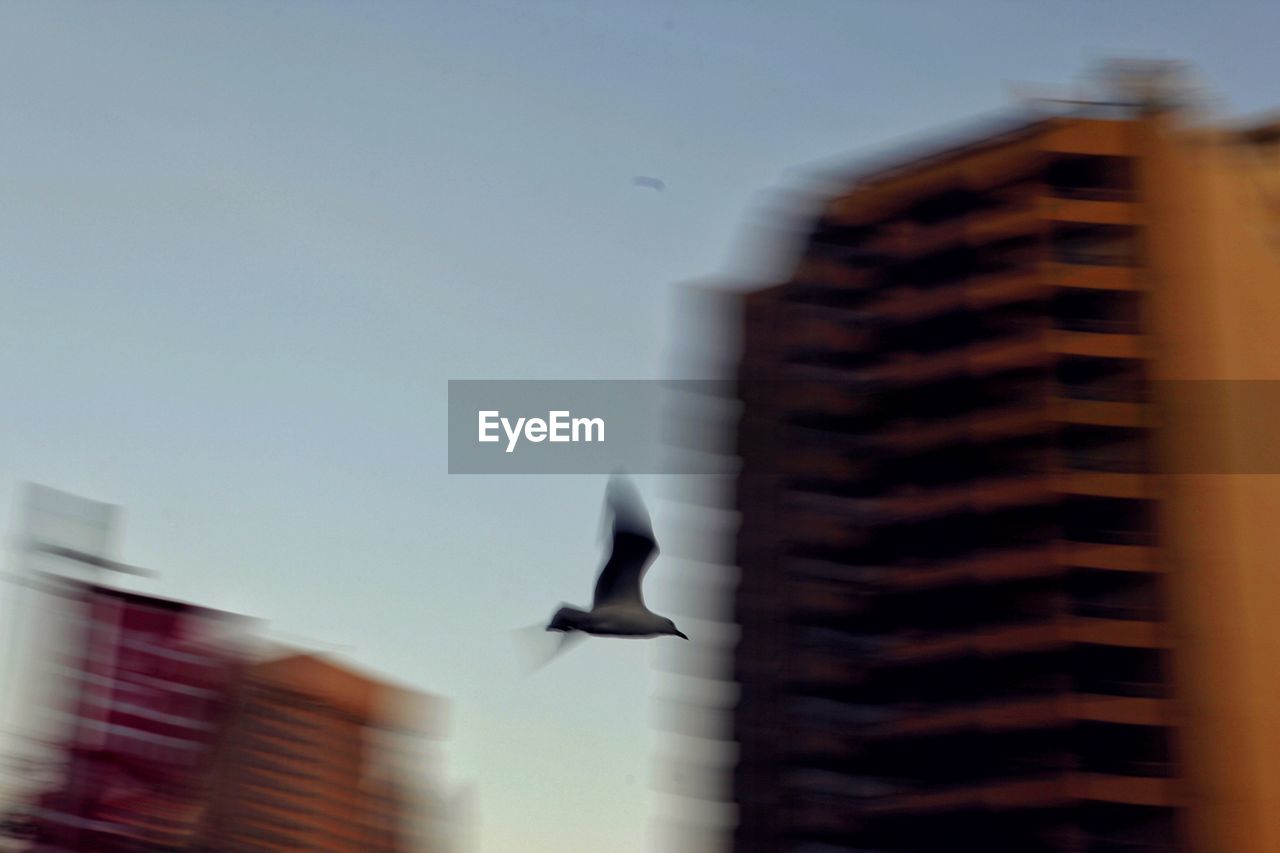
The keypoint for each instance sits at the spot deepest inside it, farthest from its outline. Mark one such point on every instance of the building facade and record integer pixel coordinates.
(1008, 508)
(310, 761)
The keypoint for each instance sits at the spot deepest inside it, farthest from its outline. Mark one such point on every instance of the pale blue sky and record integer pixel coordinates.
(243, 246)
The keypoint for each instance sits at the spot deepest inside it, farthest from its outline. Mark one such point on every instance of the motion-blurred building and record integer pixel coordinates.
(181, 739)
(1007, 554)
(314, 758)
(153, 682)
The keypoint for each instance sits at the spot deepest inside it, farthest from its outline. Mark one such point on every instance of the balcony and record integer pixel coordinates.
(935, 236)
(1105, 484)
(907, 304)
(1093, 256)
(1147, 768)
(1019, 713)
(945, 206)
(984, 567)
(1000, 493)
(982, 496)
(997, 716)
(981, 290)
(1129, 390)
(823, 817)
(1034, 792)
(829, 534)
(1116, 610)
(814, 332)
(1030, 793)
(1105, 312)
(1126, 457)
(1108, 535)
(924, 503)
(1004, 223)
(1118, 558)
(824, 508)
(1103, 844)
(1045, 634)
(809, 468)
(838, 291)
(819, 667)
(987, 641)
(999, 288)
(1008, 422)
(890, 242)
(910, 435)
(1098, 210)
(982, 358)
(1022, 349)
(1098, 344)
(828, 570)
(1127, 710)
(1120, 634)
(827, 744)
(1098, 412)
(825, 394)
(1110, 194)
(933, 272)
(1127, 788)
(1092, 177)
(1121, 672)
(1108, 278)
(834, 602)
(1098, 325)
(876, 251)
(848, 378)
(1095, 245)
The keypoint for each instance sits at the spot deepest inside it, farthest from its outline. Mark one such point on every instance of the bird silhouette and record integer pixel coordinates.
(643, 181)
(618, 608)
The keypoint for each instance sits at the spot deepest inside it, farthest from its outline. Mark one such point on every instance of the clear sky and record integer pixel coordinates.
(243, 246)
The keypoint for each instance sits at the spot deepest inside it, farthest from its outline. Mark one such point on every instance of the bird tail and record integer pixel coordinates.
(566, 619)
(536, 648)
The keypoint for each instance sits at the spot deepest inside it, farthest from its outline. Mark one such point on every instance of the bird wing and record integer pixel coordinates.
(633, 548)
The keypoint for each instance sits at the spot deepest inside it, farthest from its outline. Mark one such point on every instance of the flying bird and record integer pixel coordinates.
(655, 183)
(618, 608)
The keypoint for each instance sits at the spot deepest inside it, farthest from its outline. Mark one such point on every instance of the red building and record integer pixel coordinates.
(155, 688)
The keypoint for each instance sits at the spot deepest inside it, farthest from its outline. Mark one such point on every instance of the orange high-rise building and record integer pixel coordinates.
(1010, 516)
(309, 761)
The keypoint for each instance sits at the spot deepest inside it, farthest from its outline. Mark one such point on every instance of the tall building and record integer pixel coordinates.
(1008, 509)
(313, 759)
(153, 680)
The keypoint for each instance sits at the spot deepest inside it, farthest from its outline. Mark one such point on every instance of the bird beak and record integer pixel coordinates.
(682, 635)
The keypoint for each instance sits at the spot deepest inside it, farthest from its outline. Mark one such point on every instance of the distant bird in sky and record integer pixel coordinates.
(643, 181)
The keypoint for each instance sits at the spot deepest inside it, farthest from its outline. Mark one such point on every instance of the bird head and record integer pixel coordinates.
(670, 628)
